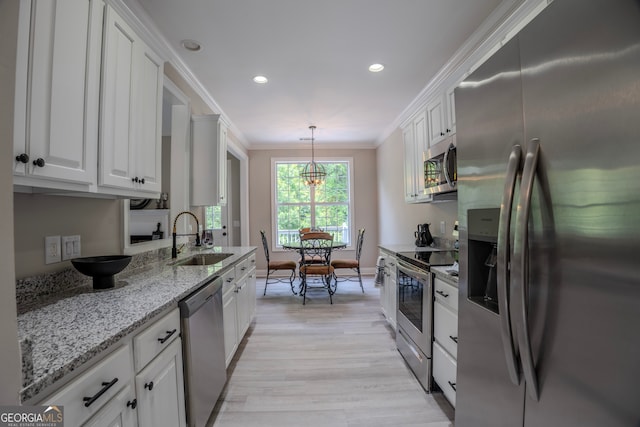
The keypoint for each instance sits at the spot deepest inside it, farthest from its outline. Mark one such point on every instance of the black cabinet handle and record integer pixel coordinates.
(169, 334)
(441, 133)
(453, 385)
(105, 386)
(141, 180)
(454, 339)
(149, 385)
(448, 130)
(22, 158)
(132, 404)
(442, 293)
(39, 162)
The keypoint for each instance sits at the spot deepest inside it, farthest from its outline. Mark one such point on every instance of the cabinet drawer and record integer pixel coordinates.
(445, 293)
(242, 268)
(228, 280)
(444, 372)
(116, 369)
(251, 261)
(148, 343)
(445, 328)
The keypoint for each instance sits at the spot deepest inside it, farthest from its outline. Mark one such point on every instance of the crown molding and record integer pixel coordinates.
(503, 23)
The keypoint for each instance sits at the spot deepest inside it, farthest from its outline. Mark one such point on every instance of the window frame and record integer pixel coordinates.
(274, 206)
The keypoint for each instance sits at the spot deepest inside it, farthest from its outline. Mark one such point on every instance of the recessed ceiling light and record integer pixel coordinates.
(376, 68)
(260, 79)
(191, 45)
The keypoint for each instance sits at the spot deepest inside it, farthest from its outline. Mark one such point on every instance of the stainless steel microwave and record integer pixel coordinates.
(441, 167)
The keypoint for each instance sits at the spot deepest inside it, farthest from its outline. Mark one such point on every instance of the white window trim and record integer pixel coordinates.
(274, 215)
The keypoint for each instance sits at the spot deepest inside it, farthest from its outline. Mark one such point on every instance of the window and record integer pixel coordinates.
(212, 217)
(328, 206)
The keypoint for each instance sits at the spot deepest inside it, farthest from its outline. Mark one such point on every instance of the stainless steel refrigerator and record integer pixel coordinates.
(548, 133)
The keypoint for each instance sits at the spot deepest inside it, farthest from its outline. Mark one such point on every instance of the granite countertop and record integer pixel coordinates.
(441, 271)
(70, 331)
(409, 248)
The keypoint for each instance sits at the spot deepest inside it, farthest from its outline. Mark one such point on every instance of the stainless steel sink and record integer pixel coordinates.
(203, 259)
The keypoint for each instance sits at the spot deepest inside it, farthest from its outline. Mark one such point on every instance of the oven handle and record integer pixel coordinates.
(412, 271)
(503, 285)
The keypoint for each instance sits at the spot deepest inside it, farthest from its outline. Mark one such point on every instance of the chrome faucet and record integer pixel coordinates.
(174, 249)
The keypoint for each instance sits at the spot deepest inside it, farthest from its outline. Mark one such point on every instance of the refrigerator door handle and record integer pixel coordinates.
(504, 226)
(520, 267)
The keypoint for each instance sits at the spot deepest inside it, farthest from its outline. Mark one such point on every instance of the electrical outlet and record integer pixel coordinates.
(443, 227)
(70, 247)
(52, 249)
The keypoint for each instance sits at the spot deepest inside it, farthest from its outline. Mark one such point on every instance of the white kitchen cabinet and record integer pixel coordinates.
(451, 110)
(238, 303)
(388, 293)
(441, 112)
(415, 142)
(208, 161)
(86, 395)
(119, 412)
(160, 390)
(445, 334)
(57, 94)
(131, 113)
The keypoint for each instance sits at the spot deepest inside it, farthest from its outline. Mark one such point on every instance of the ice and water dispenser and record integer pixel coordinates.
(483, 238)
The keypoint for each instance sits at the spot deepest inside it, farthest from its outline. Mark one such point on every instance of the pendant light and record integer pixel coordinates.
(313, 173)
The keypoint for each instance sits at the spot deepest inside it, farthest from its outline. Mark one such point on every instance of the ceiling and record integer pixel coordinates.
(316, 55)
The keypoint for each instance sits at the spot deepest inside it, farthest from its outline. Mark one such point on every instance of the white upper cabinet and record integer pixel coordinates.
(442, 116)
(57, 93)
(416, 142)
(131, 113)
(451, 110)
(208, 161)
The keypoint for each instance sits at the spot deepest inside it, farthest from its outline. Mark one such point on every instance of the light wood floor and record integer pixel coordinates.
(324, 365)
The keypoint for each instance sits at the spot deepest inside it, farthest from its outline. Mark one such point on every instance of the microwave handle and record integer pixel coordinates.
(445, 166)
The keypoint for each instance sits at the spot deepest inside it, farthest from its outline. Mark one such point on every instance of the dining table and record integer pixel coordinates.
(295, 246)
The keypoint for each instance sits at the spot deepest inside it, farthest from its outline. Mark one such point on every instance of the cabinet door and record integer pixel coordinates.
(149, 120)
(229, 316)
(451, 112)
(117, 154)
(208, 161)
(119, 412)
(64, 77)
(421, 141)
(222, 163)
(435, 113)
(409, 163)
(244, 306)
(160, 390)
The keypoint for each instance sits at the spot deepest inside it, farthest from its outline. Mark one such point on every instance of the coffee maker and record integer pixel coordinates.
(423, 236)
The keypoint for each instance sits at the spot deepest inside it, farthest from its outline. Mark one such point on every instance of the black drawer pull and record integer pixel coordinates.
(453, 385)
(149, 385)
(39, 162)
(22, 158)
(132, 404)
(442, 293)
(455, 339)
(169, 334)
(105, 386)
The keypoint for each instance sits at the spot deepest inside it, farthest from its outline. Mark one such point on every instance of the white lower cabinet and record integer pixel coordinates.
(119, 412)
(87, 394)
(160, 390)
(117, 392)
(445, 335)
(388, 293)
(238, 304)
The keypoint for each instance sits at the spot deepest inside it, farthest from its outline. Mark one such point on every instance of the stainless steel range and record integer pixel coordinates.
(415, 309)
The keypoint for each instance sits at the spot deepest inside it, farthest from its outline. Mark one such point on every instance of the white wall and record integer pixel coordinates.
(10, 370)
(398, 220)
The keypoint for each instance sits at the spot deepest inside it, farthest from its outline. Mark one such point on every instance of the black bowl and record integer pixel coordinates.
(102, 268)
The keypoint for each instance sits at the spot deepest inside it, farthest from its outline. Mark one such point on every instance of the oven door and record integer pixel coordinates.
(441, 168)
(415, 305)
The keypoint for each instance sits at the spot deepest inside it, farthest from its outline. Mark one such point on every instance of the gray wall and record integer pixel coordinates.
(9, 353)
(398, 219)
(365, 203)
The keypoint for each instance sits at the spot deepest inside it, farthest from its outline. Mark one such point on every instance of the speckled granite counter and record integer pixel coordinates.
(70, 331)
(443, 272)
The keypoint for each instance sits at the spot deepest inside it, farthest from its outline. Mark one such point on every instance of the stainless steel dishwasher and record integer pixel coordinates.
(203, 351)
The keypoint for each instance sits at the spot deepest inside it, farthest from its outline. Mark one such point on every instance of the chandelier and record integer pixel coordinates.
(313, 173)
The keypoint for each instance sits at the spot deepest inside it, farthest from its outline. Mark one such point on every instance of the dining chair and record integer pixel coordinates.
(273, 266)
(315, 260)
(350, 264)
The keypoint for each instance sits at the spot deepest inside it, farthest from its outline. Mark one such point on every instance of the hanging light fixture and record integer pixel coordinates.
(313, 173)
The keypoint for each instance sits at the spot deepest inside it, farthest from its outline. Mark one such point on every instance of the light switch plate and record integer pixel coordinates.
(70, 247)
(52, 249)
